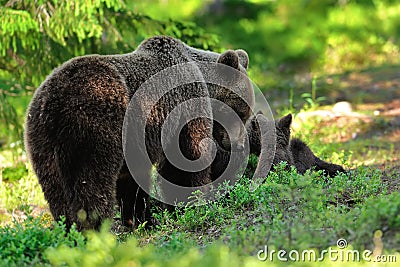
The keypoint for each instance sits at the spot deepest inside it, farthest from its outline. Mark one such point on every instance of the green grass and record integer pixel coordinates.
(288, 211)
(19, 190)
(26, 243)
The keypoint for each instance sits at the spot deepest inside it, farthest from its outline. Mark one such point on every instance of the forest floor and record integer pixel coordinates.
(375, 95)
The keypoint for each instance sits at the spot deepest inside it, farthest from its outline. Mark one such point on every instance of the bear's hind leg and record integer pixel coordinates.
(132, 199)
(55, 192)
(93, 194)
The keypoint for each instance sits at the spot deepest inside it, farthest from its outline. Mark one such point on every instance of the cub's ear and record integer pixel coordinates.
(243, 58)
(285, 122)
(284, 127)
(229, 58)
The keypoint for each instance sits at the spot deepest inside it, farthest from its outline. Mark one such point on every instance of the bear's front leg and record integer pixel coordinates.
(195, 146)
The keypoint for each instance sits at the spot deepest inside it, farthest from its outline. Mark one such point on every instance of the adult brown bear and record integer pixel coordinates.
(73, 131)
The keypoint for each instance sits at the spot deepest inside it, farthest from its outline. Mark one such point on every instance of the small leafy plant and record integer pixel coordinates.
(24, 244)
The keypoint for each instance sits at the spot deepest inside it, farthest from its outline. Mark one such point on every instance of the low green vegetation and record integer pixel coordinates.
(287, 211)
(25, 244)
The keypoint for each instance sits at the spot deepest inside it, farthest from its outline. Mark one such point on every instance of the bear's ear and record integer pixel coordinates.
(243, 58)
(285, 122)
(229, 58)
(284, 125)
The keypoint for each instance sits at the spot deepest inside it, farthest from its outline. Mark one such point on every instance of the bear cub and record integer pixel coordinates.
(294, 151)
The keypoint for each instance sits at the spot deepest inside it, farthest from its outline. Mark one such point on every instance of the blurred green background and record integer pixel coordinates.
(293, 45)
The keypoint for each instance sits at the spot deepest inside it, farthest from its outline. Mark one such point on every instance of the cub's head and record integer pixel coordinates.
(283, 152)
(282, 132)
(235, 100)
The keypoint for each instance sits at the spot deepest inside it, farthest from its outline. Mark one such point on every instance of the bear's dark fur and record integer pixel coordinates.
(294, 151)
(73, 132)
(283, 152)
(304, 159)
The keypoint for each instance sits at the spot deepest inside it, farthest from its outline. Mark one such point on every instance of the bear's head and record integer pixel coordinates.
(282, 132)
(237, 97)
(283, 152)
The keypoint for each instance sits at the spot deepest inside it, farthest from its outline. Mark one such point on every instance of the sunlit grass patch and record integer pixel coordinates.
(20, 193)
